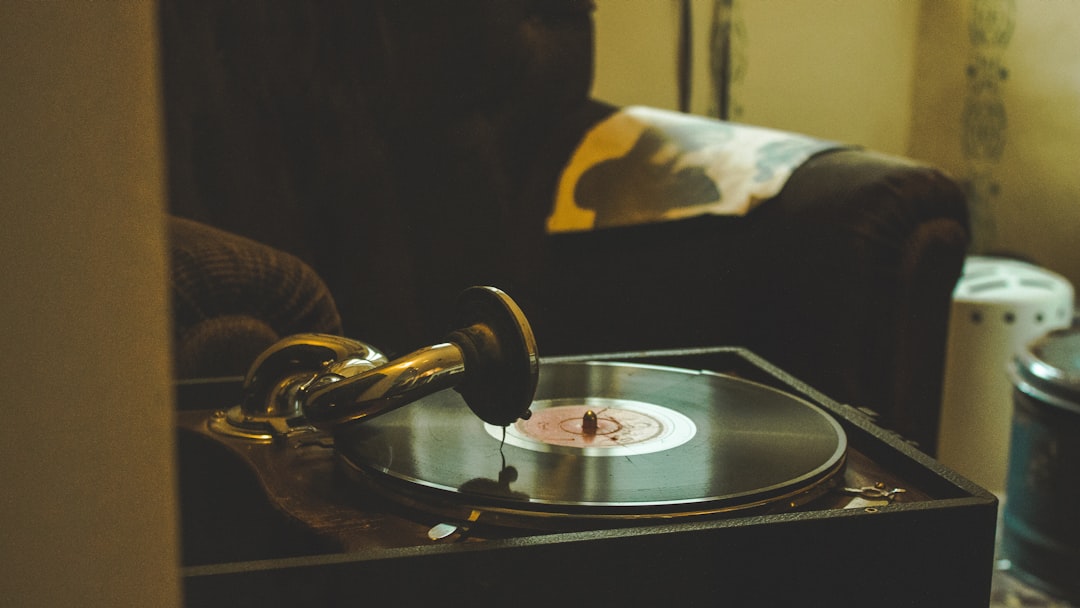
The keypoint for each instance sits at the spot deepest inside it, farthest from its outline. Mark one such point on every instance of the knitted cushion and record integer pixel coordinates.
(234, 297)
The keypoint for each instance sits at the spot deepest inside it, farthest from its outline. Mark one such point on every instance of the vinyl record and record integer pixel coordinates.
(605, 440)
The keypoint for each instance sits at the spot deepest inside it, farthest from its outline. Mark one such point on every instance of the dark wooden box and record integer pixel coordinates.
(275, 525)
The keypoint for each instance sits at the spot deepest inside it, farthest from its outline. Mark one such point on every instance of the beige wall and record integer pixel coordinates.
(1038, 209)
(892, 75)
(1025, 184)
(87, 501)
(636, 52)
(838, 69)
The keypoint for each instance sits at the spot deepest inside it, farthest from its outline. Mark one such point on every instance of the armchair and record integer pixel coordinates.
(405, 150)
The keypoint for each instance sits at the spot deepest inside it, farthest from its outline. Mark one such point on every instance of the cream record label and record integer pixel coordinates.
(598, 426)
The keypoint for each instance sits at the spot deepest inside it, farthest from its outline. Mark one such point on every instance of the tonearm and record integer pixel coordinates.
(310, 381)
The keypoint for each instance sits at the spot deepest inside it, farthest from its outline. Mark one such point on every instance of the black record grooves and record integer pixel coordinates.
(664, 442)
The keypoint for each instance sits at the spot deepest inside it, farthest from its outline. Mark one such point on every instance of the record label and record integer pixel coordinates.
(619, 427)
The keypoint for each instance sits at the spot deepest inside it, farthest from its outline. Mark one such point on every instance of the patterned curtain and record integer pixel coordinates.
(990, 30)
(726, 62)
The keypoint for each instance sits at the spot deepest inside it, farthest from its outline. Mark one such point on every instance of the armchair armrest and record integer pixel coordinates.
(234, 297)
(843, 279)
(881, 243)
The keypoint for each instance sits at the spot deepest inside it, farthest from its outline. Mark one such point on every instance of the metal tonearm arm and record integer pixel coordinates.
(327, 381)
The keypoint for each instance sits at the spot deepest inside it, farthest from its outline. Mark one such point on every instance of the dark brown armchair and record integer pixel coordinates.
(406, 150)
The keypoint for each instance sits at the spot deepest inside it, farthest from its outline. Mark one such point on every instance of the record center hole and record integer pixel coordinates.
(604, 426)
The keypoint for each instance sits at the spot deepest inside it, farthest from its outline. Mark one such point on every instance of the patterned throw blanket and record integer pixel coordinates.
(644, 165)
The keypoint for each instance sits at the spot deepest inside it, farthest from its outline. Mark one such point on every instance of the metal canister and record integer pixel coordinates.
(1041, 527)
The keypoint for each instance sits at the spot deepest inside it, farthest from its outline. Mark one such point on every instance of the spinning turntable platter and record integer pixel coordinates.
(605, 441)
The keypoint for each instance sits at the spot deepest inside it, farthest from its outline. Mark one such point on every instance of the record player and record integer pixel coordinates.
(474, 469)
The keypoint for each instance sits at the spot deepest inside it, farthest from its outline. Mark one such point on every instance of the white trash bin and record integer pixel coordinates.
(999, 306)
